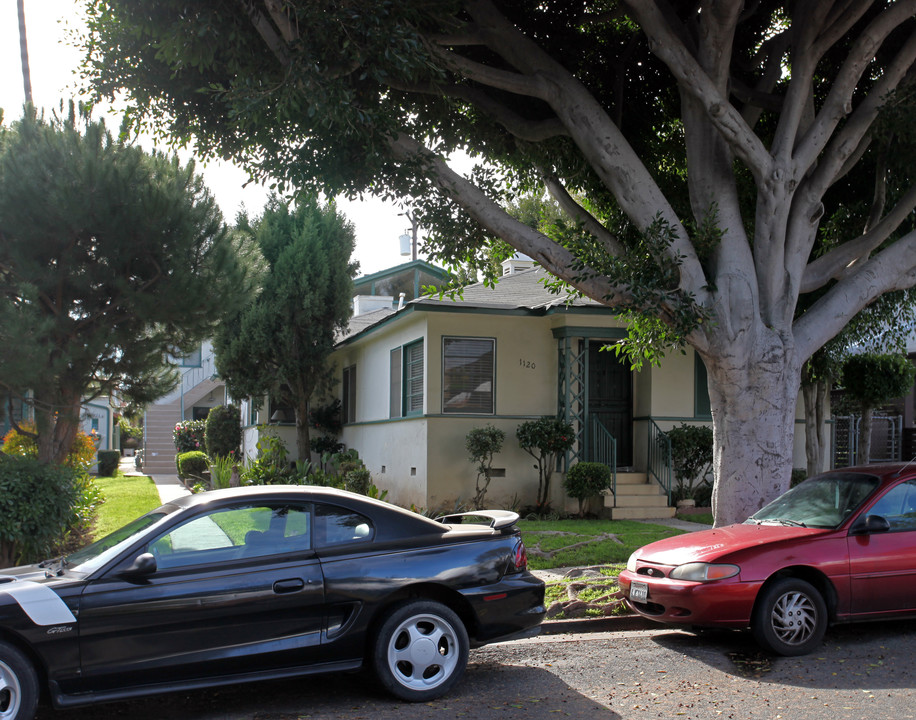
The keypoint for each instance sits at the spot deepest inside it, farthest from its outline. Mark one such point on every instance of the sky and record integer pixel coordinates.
(53, 65)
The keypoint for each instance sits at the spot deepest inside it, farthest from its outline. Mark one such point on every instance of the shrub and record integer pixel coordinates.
(81, 452)
(223, 431)
(691, 458)
(108, 462)
(585, 480)
(270, 467)
(325, 445)
(131, 435)
(193, 465)
(545, 440)
(326, 418)
(482, 444)
(36, 507)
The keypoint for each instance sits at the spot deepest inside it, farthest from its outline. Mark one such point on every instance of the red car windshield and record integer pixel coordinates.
(824, 501)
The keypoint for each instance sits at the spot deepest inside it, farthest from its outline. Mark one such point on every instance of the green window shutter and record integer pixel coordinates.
(394, 398)
(701, 406)
(413, 378)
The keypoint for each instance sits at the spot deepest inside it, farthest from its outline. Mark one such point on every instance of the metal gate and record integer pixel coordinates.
(886, 440)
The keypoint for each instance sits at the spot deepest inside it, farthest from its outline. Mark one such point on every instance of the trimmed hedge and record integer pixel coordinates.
(108, 462)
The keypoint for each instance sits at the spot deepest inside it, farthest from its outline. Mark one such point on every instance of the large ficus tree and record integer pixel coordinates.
(111, 260)
(696, 146)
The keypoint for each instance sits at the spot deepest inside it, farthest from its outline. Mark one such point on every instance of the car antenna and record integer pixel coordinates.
(900, 471)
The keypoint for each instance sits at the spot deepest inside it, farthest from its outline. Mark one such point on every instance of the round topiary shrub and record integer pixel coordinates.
(193, 465)
(223, 431)
(585, 480)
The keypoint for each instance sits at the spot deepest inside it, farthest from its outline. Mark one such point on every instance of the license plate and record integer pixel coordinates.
(639, 592)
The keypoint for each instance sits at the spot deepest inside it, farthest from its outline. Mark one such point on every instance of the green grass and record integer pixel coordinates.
(704, 518)
(576, 543)
(126, 498)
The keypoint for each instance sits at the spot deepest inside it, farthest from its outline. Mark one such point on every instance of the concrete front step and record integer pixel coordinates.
(638, 498)
(641, 513)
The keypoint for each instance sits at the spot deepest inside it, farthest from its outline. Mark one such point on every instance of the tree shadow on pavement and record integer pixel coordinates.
(877, 654)
(487, 690)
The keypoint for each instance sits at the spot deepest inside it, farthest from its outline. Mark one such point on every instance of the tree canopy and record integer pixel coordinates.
(279, 343)
(737, 175)
(111, 260)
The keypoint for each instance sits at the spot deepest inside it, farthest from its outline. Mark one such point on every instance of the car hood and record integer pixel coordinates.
(710, 545)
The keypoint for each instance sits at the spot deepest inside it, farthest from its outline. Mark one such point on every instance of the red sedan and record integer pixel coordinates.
(838, 547)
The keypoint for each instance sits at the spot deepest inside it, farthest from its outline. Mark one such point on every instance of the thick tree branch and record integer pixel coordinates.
(266, 30)
(528, 85)
(580, 214)
(666, 45)
(892, 269)
(835, 264)
(556, 259)
(839, 101)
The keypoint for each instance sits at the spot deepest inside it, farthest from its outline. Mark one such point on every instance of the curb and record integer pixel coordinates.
(618, 623)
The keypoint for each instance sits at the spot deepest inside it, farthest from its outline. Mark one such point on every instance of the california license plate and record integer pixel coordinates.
(639, 592)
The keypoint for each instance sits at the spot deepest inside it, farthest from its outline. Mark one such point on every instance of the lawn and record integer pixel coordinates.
(126, 498)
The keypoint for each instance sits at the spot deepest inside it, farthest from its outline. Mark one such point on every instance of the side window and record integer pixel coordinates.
(339, 526)
(235, 533)
(898, 507)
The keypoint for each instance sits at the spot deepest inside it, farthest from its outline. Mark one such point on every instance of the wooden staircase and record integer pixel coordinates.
(638, 498)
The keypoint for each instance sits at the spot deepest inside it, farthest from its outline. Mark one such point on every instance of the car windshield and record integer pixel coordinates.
(824, 501)
(94, 556)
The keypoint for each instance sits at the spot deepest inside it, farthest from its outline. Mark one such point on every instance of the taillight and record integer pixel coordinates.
(520, 557)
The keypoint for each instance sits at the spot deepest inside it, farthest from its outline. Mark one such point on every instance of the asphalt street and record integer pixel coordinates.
(863, 672)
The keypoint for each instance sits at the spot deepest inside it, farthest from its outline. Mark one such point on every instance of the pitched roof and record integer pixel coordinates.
(523, 290)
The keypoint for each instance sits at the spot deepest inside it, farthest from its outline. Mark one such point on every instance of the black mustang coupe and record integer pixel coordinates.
(265, 582)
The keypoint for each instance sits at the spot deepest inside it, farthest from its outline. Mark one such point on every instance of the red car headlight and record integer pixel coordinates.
(704, 572)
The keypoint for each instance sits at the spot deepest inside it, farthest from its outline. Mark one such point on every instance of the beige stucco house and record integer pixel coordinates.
(415, 377)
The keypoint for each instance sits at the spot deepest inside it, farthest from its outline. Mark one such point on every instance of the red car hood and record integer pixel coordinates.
(710, 545)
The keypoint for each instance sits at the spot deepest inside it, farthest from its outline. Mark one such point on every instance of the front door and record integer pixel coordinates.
(610, 398)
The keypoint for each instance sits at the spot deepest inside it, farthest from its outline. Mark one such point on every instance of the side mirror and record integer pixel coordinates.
(143, 565)
(870, 525)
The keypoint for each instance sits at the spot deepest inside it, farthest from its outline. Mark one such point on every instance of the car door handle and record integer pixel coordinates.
(288, 586)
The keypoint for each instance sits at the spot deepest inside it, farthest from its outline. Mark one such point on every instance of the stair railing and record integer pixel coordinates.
(604, 450)
(659, 464)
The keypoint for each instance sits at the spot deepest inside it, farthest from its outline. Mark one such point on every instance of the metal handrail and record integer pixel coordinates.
(604, 450)
(659, 458)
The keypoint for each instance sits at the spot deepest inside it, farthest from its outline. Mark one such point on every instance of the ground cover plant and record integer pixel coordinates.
(578, 543)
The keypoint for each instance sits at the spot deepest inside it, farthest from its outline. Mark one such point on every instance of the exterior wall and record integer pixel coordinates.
(393, 449)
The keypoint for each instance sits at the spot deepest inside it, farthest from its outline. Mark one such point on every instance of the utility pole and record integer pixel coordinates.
(24, 51)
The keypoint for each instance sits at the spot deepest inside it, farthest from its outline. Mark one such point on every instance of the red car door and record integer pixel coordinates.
(882, 565)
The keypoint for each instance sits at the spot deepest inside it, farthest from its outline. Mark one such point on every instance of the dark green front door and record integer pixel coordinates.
(610, 398)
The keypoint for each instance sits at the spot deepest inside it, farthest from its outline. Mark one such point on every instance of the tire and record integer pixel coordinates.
(420, 650)
(18, 685)
(790, 617)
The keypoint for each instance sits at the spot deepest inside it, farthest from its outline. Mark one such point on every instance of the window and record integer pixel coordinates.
(406, 380)
(413, 378)
(235, 533)
(348, 404)
(898, 507)
(338, 526)
(701, 405)
(394, 399)
(469, 371)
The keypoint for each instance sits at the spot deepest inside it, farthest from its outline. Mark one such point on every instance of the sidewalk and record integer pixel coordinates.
(169, 486)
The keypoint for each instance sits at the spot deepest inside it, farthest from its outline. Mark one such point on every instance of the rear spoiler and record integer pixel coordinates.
(499, 519)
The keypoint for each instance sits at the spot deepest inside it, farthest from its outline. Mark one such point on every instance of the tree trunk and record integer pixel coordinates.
(815, 395)
(302, 431)
(864, 452)
(753, 410)
(57, 421)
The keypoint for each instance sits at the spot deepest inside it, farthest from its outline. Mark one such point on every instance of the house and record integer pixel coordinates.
(417, 377)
